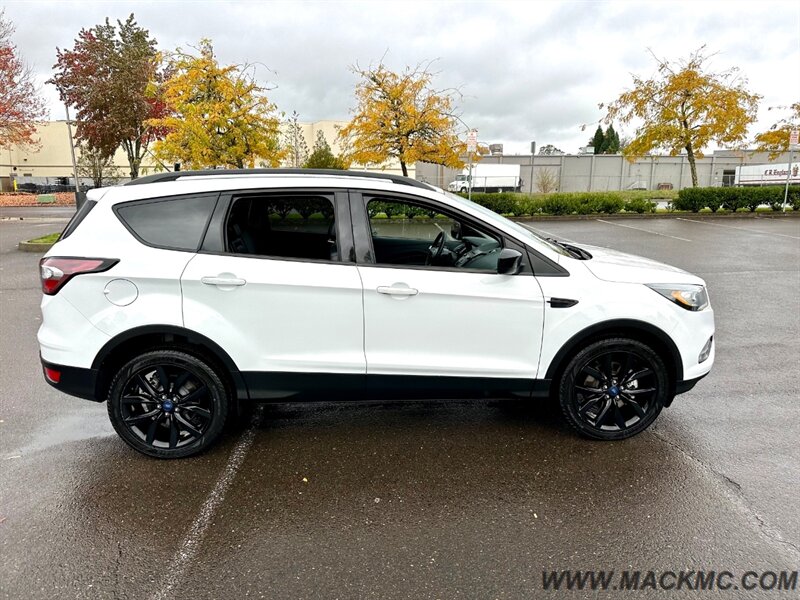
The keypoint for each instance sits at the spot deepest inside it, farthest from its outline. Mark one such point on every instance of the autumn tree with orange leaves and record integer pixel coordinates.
(20, 104)
(776, 139)
(400, 116)
(685, 107)
(219, 115)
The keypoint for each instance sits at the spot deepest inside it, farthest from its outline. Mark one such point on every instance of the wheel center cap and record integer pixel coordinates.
(613, 390)
(167, 406)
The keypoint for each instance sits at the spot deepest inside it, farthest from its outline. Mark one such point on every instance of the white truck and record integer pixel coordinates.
(488, 178)
(774, 174)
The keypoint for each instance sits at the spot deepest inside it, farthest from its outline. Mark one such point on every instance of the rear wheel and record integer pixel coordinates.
(613, 389)
(168, 404)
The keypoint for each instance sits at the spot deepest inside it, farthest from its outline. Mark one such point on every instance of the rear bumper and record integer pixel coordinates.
(74, 381)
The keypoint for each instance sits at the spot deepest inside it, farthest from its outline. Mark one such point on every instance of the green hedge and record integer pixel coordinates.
(735, 198)
(397, 210)
(580, 203)
(588, 203)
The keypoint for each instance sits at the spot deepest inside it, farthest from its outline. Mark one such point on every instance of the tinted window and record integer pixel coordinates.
(77, 218)
(405, 233)
(177, 223)
(289, 226)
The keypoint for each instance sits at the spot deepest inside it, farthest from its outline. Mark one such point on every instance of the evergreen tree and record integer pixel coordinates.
(598, 140)
(322, 157)
(294, 143)
(611, 141)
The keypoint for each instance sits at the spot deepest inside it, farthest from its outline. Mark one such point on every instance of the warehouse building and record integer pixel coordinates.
(51, 163)
(607, 172)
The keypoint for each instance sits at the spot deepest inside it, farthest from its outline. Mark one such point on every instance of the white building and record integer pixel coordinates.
(49, 161)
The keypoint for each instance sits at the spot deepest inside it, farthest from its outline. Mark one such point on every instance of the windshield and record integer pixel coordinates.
(493, 216)
(461, 177)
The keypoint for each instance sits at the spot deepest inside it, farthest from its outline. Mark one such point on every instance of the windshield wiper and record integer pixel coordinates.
(578, 253)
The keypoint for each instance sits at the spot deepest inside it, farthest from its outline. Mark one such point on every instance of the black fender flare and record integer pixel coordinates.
(177, 333)
(628, 327)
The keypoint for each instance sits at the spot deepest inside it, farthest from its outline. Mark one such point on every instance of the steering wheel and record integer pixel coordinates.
(436, 248)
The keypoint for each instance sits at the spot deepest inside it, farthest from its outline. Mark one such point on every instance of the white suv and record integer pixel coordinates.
(179, 296)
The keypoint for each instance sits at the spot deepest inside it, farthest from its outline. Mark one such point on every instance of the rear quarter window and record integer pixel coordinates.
(176, 223)
(76, 219)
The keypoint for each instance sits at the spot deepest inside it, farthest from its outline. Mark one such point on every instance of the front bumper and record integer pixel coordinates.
(687, 384)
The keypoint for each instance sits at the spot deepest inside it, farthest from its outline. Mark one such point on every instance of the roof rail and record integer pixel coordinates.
(174, 175)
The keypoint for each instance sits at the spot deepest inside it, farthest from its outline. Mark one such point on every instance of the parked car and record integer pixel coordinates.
(179, 297)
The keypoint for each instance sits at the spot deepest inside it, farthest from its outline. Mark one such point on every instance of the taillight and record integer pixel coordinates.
(52, 375)
(55, 271)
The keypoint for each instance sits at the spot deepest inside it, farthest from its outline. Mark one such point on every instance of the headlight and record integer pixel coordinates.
(690, 297)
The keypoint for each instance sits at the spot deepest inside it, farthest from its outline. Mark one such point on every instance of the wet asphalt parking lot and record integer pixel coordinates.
(448, 499)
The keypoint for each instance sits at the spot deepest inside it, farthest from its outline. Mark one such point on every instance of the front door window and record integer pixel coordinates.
(409, 234)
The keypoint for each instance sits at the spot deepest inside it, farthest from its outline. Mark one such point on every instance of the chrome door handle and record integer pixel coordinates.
(223, 281)
(397, 291)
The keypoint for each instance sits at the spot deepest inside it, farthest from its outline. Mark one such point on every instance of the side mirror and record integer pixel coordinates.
(455, 230)
(509, 262)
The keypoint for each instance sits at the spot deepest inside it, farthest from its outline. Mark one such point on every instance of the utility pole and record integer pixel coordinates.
(472, 146)
(72, 152)
(469, 179)
(794, 137)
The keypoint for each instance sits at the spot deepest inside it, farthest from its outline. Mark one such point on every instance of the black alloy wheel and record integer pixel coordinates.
(613, 389)
(168, 404)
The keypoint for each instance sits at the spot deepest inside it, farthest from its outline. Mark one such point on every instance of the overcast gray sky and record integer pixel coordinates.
(528, 70)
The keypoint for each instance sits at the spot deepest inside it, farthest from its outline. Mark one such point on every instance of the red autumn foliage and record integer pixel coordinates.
(20, 104)
(111, 77)
(20, 199)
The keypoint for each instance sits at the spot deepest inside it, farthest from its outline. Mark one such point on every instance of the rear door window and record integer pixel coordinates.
(176, 223)
(297, 226)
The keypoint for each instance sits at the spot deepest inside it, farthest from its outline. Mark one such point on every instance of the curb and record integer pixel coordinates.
(36, 219)
(34, 247)
(674, 215)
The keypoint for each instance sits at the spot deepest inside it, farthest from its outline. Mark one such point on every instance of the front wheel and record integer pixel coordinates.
(168, 404)
(613, 389)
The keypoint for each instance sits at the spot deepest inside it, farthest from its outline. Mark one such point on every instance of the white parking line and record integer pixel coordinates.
(191, 543)
(674, 237)
(794, 237)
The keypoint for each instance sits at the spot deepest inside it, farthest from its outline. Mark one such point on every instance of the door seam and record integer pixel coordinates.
(180, 282)
(363, 322)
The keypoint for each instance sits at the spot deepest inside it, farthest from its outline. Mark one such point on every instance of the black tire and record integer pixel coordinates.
(613, 389)
(176, 420)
